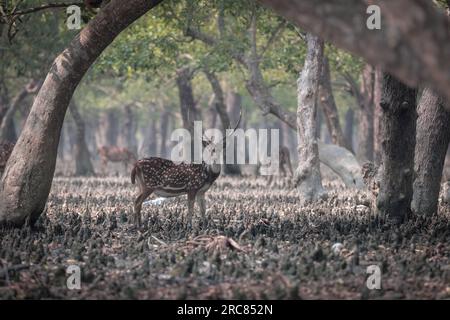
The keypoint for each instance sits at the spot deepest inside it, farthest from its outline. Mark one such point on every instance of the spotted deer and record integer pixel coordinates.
(6, 149)
(165, 178)
(116, 154)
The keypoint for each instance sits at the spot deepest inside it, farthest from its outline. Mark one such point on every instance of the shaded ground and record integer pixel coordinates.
(253, 243)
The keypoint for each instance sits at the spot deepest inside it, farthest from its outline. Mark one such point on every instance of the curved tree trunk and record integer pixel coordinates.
(186, 96)
(83, 164)
(26, 182)
(307, 176)
(329, 108)
(433, 137)
(398, 139)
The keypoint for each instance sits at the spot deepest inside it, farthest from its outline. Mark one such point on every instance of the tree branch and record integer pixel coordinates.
(274, 37)
(44, 7)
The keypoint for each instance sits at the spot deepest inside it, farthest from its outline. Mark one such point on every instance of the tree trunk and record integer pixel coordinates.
(319, 118)
(365, 115)
(186, 96)
(408, 26)
(109, 126)
(211, 113)
(377, 90)
(308, 178)
(398, 139)
(152, 141)
(83, 164)
(329, 108)
(129, 129)
(164, 130)
(349, 125)
(433, 137)
(26, 182)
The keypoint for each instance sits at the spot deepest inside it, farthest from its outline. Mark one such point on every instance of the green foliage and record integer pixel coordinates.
(140, 66)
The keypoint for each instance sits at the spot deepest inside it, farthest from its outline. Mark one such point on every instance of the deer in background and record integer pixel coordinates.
(284, 164)
(116, 154)
(166, 179)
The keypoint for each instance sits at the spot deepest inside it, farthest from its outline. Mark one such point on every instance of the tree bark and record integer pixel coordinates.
(365, 115)
(307, 177)
(349, 125)
(129, 129)
(26, 182)
(329, 108)
(407, 26)
(377, 91)
(164, 129)
(83, 164)
(186, 96)
(398, 139)
(433, 137)
(109, 126)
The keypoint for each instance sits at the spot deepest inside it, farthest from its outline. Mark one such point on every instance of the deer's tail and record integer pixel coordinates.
(133, 173)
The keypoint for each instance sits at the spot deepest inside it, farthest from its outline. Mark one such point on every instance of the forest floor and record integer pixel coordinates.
(255, 242)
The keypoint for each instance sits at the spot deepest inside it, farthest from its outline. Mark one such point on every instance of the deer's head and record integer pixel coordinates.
(212, 150)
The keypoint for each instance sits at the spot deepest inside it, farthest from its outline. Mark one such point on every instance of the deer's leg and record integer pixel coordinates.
(138, 205)
(201, 204)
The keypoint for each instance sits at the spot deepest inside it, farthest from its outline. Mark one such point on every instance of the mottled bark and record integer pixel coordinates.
(307, 176)
(433, 137)
(329, 107)
(83, 164)
(398, 139)
(27, 179)
(413, 43)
